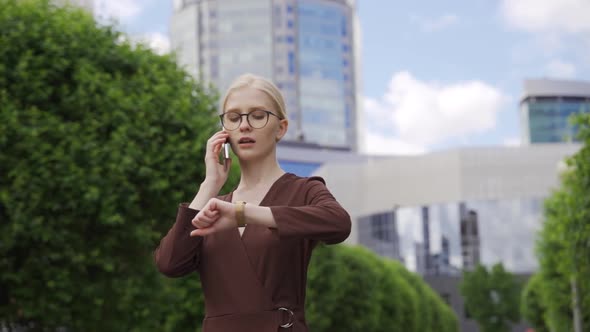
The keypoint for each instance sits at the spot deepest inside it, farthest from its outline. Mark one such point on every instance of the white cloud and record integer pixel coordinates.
(122, 10)
(415, 115)
(435, 24)
(157, 41)
(548, 15)
(560, 69)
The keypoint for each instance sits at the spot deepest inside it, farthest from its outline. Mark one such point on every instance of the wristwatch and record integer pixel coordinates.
(240, 215)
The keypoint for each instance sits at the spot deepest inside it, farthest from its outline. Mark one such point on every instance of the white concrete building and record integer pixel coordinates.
(504, 185)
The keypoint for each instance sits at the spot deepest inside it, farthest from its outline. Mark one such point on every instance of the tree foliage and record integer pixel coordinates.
(531, 304)
(563, 244)
(100, 139)
(492, 297)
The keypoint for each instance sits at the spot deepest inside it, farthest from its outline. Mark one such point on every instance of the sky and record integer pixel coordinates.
(435, 75)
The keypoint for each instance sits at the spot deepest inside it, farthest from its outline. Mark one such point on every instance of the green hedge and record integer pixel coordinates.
(352, 289)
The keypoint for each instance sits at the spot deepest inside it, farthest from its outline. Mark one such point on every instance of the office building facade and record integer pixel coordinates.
(499, 189)
(306, 47)
(379, 233)
(546, 107)
(469, 233)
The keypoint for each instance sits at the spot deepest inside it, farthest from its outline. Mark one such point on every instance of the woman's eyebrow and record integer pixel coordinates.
(253, 108)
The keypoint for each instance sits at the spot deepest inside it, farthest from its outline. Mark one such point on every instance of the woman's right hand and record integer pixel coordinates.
(216, 173)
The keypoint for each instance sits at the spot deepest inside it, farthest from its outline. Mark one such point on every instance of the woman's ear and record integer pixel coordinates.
(282, 130)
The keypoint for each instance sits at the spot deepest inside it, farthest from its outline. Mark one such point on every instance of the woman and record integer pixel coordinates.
(252, 246)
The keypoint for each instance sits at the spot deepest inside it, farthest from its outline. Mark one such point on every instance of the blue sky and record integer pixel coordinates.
(436, 74)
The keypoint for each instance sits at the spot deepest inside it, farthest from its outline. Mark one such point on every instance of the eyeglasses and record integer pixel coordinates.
(256, 119)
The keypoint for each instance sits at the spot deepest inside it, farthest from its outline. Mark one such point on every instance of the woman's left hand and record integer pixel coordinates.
(217, 215)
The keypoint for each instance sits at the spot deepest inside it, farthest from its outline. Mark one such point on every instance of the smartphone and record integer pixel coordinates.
(225, 154)
(226, 150)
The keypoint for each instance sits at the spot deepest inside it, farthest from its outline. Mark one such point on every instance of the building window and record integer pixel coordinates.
(291, 56)
(380, 227)
(290, 24)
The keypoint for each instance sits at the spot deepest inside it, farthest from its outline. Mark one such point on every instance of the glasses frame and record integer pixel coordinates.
(247, 115)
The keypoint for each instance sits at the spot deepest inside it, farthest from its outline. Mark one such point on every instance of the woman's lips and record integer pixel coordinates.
(246, 140)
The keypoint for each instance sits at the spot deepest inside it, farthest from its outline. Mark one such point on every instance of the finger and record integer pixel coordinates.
(212, 205)
(222, 138)
(211, 214)
(199, 218)
(202, 232)
(204, 219)
(202, 224)
(216, 146)
(217, 135)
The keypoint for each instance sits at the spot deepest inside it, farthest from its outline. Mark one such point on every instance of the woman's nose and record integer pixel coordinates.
(244, 124)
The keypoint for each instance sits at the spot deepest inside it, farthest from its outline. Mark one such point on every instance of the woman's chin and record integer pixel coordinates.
(247, 155)
(250, 155)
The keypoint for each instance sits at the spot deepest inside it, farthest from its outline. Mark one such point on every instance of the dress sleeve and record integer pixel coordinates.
(321, 218)
(178, 253)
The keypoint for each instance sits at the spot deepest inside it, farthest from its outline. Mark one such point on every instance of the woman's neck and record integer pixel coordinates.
(259, 173)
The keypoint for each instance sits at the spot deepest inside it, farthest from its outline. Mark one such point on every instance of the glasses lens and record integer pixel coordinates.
(231, 120)
(258, 119)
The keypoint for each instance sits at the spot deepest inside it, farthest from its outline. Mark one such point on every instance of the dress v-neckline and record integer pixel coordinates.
(262, 202)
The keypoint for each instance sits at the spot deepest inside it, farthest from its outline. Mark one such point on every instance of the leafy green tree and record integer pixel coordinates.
(555, 277)
(100, 139)
(492, 297)
(563, 246)
(532, 307)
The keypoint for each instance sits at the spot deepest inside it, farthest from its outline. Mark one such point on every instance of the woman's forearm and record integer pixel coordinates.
(259, 215)
(207, 190)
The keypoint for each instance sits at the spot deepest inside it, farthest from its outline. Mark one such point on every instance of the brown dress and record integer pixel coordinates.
(257, 282)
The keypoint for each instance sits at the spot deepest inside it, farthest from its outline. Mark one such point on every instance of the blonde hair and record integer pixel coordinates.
(262, 84)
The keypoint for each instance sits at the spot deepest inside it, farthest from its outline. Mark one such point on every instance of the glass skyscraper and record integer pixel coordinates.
(546, 107)
(306, 47)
